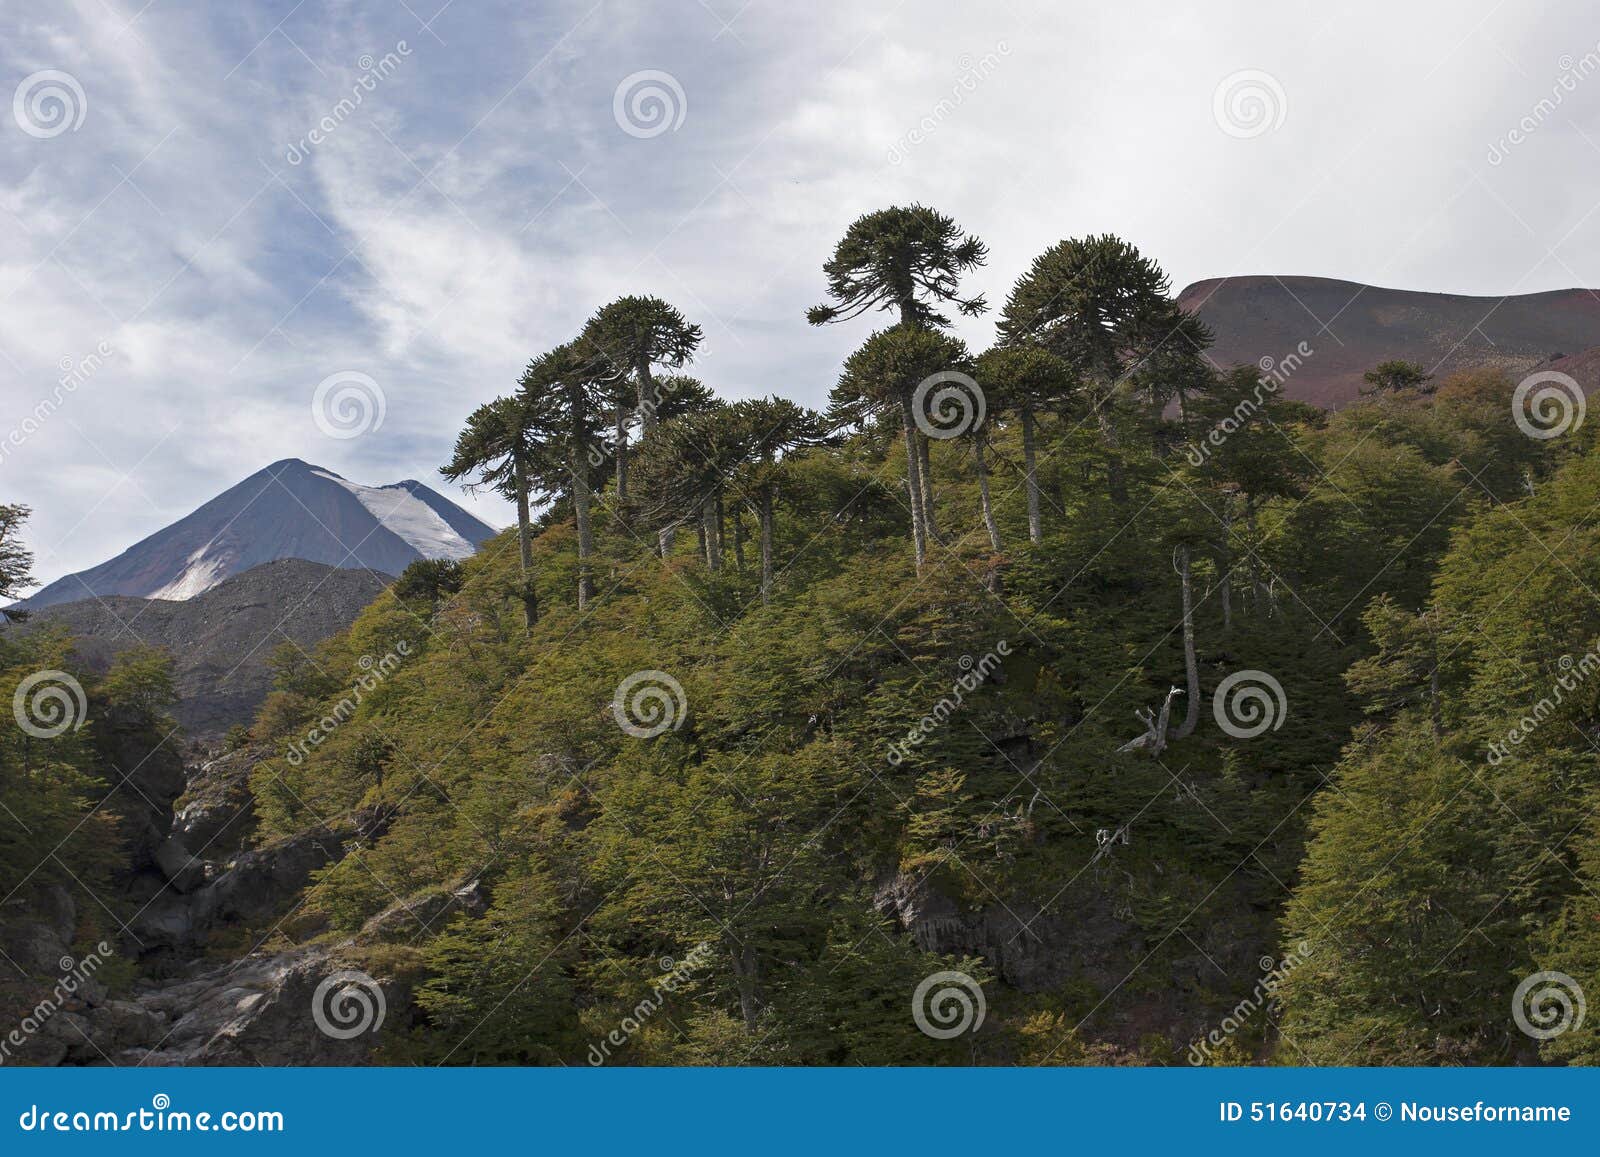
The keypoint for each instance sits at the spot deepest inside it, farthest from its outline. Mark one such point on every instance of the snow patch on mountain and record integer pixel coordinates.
(408, 517)
(200, 573)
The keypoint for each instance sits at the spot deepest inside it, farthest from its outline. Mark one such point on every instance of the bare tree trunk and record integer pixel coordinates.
(747, 974)
(622, 453)
(1030, 469)
(981, 468)
(1191, 666)
(708, 514)
(580, 509)
(738, 537)
(529, 596)
(924, 461)
(914, 482)
(647, 393)
(700, 534)
(1116, 483)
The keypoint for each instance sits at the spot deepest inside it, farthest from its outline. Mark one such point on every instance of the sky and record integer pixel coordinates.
(235, 233)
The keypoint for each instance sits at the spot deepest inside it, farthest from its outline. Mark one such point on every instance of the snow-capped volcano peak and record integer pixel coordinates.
(403, 513)
(290, 509)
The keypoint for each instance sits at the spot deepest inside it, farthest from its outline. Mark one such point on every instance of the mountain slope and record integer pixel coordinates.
(221, 638)
(290, 509)
(1352, 327)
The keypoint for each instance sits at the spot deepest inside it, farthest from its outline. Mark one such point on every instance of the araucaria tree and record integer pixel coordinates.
(768, 430)
(884, 374)
(1023, 380)
(909, 260)
(1103, 308)
(496, 450)
(635, 334)
(563, 394)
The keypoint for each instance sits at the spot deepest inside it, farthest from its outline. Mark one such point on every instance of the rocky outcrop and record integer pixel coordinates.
(306, 1006)
(216, 814)
(250, 890)
(429, 912)
(37, 927)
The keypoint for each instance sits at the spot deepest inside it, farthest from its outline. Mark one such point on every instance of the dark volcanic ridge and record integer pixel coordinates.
(220, 639)
(1350, 328)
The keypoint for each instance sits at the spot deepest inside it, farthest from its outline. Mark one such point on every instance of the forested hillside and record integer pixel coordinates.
(1175, 716)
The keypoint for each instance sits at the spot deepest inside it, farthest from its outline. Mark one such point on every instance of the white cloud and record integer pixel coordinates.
(159, 227)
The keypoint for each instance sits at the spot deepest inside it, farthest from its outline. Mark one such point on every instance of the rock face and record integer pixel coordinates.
(250, 890)
(302, 1007)
(220, 640)
(217, 811)
(1080, 936)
